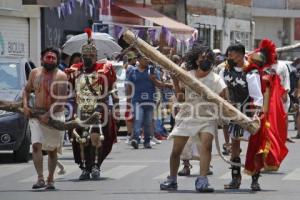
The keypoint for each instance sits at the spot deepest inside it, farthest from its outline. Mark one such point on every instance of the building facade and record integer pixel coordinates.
(278, 20)
(57, 27)
(20, 28)
(221, 22)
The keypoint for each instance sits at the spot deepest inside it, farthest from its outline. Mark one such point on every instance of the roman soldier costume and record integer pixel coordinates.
(267, 148)
(93, 84)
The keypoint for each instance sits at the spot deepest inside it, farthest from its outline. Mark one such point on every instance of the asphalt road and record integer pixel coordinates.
(135, 174)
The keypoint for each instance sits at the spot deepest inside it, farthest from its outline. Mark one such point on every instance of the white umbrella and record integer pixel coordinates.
(105, 44)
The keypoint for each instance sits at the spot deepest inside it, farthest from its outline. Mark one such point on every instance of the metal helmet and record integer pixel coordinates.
(90, 47)
(258, 57)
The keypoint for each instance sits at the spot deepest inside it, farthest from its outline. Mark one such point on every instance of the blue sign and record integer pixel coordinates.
(101, 28)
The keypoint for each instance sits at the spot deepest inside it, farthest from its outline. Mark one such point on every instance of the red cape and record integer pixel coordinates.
(267, 148)
(104, 68)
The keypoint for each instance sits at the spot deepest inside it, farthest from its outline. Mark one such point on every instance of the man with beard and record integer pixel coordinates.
(50, 88)
(94, 82)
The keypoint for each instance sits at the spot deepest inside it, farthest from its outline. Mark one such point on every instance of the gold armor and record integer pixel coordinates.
(86, 99)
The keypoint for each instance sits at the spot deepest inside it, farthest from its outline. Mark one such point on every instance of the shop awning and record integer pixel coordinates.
(158, 18)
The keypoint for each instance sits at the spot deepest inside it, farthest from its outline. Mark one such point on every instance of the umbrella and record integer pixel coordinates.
(105, 44)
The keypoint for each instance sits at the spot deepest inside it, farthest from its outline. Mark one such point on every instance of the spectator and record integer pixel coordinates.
(63, 64)
(131, 58)
(75, 59)
(283, 71)
(144, 80)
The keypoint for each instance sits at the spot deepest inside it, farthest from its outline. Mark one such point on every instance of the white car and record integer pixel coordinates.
(121, 79)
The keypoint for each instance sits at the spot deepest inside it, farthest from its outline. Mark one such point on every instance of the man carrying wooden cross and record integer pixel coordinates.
(196, 117)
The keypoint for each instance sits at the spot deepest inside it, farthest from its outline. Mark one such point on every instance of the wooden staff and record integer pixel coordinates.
(228, 110)
(56, 124)
(287, 48)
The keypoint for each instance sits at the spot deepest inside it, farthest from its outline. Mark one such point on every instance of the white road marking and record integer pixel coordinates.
(294, 175)
(11, 169)
(121, 171)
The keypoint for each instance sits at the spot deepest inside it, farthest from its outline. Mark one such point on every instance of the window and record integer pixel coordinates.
(204, 35)
(275, 4)
(241, 37)
(256, 43)
(217, 39)
(9, 76)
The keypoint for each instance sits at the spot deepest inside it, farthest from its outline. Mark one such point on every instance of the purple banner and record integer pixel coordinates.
(152, 33)
(173, 42)
(72, 3)
(118, 30)
(141, 32)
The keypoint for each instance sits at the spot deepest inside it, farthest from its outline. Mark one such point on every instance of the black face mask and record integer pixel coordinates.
(206, 65)
(231, 63)
(49, 66)
(88, 62)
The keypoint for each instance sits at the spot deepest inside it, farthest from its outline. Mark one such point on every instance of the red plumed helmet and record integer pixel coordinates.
(268, 48)
(89, 33)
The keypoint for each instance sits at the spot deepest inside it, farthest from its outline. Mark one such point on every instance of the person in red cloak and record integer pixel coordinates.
(93, 83)
(267, 149)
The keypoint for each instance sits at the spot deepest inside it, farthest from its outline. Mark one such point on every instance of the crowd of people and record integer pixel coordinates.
(74, 88)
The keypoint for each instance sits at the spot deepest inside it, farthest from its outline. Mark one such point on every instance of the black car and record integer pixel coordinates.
(14, 127)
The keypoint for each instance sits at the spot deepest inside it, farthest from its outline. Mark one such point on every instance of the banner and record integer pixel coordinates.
(90, 6)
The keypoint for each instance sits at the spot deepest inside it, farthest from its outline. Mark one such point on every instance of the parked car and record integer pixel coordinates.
(121, 78)
(14, 128)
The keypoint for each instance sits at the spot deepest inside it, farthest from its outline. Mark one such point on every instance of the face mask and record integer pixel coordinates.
(206, 65)
(88, 62)
(231, 63)
(49, 66)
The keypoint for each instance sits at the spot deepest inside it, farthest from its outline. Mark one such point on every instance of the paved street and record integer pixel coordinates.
(135, 174)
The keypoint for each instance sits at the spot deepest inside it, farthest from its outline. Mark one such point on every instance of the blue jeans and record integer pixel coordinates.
(143, 116)
(159, 127)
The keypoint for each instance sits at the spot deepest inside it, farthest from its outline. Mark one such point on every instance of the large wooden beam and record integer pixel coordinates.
(17, 107)
(229, 111)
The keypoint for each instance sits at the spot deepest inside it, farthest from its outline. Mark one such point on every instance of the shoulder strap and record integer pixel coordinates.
(288, 68)
(87, 81)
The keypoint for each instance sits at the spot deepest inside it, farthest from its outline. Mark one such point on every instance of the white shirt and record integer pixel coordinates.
(282, 71)
(254, 86)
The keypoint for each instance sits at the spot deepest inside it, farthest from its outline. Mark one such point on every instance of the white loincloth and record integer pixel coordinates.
(50, 138)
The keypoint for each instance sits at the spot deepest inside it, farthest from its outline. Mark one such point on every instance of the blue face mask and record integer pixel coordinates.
(206, 65)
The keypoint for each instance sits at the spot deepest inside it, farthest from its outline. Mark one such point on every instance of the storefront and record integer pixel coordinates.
(20, 30)
(150, 25)
(218, 32)
(14, 37)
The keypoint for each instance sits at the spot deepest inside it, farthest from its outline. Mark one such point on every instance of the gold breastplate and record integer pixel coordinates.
(87, 93)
